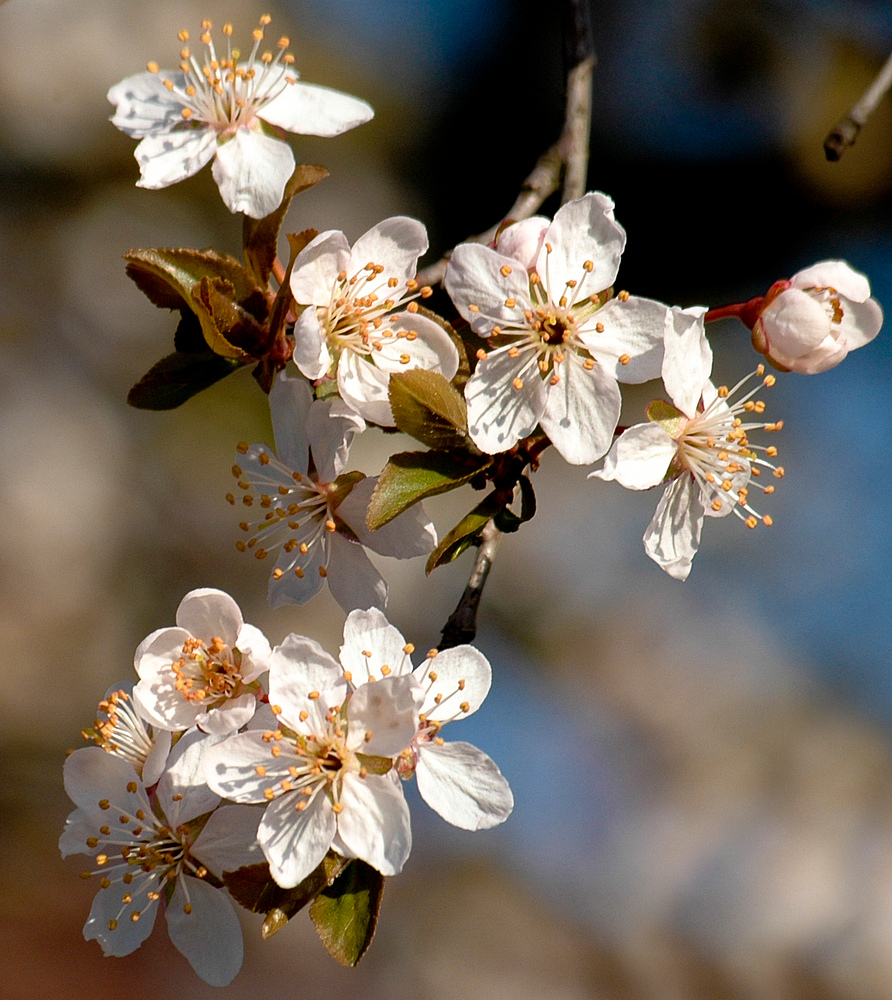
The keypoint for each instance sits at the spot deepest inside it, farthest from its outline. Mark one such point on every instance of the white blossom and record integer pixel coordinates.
(230, 110)
(127, 734)
(811, 322)
(456, 780)
(559, 340)
(204, 670)
(361, 322)
(700, 446)
(305, 507)
(144, 850)
(324, 770)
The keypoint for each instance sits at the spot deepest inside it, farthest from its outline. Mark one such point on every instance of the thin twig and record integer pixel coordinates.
(846, 131)
(569, 155)
(462, 624)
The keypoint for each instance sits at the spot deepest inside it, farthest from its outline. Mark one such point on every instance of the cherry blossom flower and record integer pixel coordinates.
(559, 340)
(313, 513)
(324, 770)
(810, 323)
(125, 733)
(166, 856)
(458, 781)
(362, 321)
(700, 446)
(232, 111)
(204, 670)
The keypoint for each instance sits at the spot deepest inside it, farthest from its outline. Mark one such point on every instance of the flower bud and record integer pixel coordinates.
(810, 323)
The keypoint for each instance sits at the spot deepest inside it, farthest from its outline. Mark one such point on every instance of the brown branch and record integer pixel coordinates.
(846, 130)
(462, 624)
(568, 157)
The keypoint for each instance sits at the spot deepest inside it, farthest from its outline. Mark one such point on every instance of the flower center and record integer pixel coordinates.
(222, 92)
(122, 732)
(209, 672)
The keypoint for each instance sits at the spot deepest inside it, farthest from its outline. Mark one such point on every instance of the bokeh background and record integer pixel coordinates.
(703, 772)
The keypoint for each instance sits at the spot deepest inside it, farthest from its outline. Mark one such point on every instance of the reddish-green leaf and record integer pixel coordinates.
(429, 409)
(346, 912)
(466, 532)
(178, 377)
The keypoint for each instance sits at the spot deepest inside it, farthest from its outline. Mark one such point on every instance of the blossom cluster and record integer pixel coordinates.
(199, 770)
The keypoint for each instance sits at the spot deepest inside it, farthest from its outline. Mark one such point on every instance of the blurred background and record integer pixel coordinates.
(703, 771)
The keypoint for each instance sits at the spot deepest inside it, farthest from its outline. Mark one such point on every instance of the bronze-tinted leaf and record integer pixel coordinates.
(466, 532)
(429, 409)
(178, 377)
(410, 476)
(229, 330)
(346, 912)
(167, 276)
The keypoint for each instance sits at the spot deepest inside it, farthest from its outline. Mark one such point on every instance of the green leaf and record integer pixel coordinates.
(167, 277)
(346, 912)
(466, 532)
(254, 888)
(429, 409)
(506, 520)
(669, 417)
(411, 476)
(178, 377)
(260, 237)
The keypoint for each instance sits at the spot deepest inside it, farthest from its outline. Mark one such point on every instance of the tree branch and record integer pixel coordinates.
(846, 130)
(569, 155)
(462, 624)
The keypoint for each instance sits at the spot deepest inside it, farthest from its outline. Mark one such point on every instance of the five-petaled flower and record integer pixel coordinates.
(810, 323)
(326, 770)
(361, 321)
(204, 670)
(560, 341)
(456, 780)
(160, 851)
(232, 109)
(700, 445)
(312, 513)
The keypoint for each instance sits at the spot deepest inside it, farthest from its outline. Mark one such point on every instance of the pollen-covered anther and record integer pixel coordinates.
(623, 296)
(751, 522)
(624, 359)
(517, 383)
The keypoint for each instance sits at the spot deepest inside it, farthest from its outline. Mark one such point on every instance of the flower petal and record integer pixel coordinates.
(208, 933)
(308, 109)
(499, 414)
(687, 358)
(251, 170)
(409, 534)
(144, 106)
(126, 934)
(394, 244)
(463, 785)
(370, 632)
(582, 230)
(294, 842)
(311, 353)
(206, 613)
(182, 789)
(523, 240)
(289, 402)
(457, 677)
(382, 718)
(633, 328)
(93, 776)
(364, 388)
(170, 157)
(836, 274)
(673, 536)
(861, 322)
(640, 457)
(581, 410)
(316, 269)
(488, 288)
(428, 346)
(228, 841)
(299, 668)
(230, 767)
(331, 427)
(374, 824)
(353, 579)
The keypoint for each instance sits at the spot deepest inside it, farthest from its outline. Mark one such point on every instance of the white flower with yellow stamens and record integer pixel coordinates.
(302, 504)
(230, 108)
(362, 322)
(324, 770)
(701, 446)
(149, 855)
(560, 342)
(456, 780)
(203, 671)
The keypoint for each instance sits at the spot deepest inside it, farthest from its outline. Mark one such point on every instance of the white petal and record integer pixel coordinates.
(364, 388)
(251, 171)
(353, 579)
(289, 403)
(331, 427)
(634, 328)
(640, 457)
(207, 613)
(174, 156)
(209, 935)
(295, 842)
(409, 534)
(153, 766)
(382, 718)
(230, 767)
(861, 322)
(129, 934)
(185, 777)
(794, 323)
(523, 240)
(228, 841)
(673, 536)
(394, 244)
(687, 360)
(463, 676)
(463, 785)
(480, 281)
(581, 410)
(230, 716)
(255, 649)
(375, 822)
(317, 267)
(582, 230)
(78, 827)
(311, 353)
(370, 632)
(431, 348)
(308, 109)
(835, 274)
(499, 414)
(144, 106)
(92, 775)
(298, 668)
(298, 588)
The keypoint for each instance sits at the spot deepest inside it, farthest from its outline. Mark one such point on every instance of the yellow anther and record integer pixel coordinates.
(261, 771)
(505, 270)
(510, 303)
(152, 67)
(186, 113)
(623, 296)
(624, 359)
(517, 383)
(751, 522)
(481, 354)
(771, 451)
(337, 807)
(767, 520)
